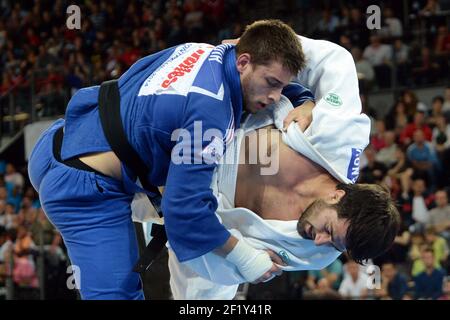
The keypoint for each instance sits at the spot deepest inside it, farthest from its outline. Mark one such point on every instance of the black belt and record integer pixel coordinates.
(109, 111)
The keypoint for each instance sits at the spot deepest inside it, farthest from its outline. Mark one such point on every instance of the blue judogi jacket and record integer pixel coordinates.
(165, 98)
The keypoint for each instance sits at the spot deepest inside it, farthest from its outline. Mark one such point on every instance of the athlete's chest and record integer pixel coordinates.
(280, 204)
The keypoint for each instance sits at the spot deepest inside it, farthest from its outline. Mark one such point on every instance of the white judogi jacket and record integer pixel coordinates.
(334, 140)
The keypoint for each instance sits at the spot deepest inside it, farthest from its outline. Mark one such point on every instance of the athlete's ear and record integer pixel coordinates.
(336, 196)
(243, 62)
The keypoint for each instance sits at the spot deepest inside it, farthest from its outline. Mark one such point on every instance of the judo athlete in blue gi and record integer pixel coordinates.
(86, 191)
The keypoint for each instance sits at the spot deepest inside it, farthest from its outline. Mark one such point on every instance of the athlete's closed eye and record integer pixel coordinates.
(274, 83)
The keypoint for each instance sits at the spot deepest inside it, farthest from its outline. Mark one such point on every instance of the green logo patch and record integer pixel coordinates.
(333, 99)
(284, 256)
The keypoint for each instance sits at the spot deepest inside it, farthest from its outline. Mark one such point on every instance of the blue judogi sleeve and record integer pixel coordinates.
(189, 204)
(297, 94)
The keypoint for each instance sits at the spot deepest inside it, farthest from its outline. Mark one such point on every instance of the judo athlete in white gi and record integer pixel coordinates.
(281, 212)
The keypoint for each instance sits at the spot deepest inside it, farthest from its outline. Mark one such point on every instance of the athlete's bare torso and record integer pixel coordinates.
(281, 196)
(285, 194)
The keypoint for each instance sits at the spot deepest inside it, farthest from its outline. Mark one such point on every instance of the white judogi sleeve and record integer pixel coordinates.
(330, 74)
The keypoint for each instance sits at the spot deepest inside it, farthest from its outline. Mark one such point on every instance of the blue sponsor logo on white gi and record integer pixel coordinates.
(353, 167)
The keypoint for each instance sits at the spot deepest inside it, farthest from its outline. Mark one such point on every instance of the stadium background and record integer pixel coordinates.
(404, 86)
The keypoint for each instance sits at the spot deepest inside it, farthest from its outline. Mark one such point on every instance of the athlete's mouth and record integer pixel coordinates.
(260, 106)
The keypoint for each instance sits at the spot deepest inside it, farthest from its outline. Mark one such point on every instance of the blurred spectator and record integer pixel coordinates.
(214, 11)
(345, 42)
(51, 101)
(436, 110)
(45, 59)
(97, 18)
(397, 118)
(429, 283)
(14, 177)
(446, 105)
(421, 202)
(440, 216)
(426, 68)
(417, 245)
(432, 7)
(323, 291)
(442, 47)
(3, 193)
(377, 139)
(387, 154)
(15, 198)
(42, 231)
(327, 25)
(374, 171)
(8, 218)
(398, 253)
(296, 284)
(356, 28)
(369, 111)
(27, 214)
(418, 264)
(48, 240)
(414, 209)
(392, 27)
(446, 290)
(441, 134)
(354, 285)
(33, 196)
(177, 34)
(423, 157)
(344, 17)
(380, 57)
(441, 141)
(24, 272)
(412, 103)
(419, 123)
(6, 246)
(402, 60)
(363, 67)
(75, 79)
(129, 55)
(332, 273)
(5, 243)
(3, 34)
(438, 244)
(393, 284)
(193, 19)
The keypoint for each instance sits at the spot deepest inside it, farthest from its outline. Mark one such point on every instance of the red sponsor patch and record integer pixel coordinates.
(185, 67)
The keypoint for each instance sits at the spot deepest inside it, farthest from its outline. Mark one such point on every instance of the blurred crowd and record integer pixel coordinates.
(40, 56)
(32, 253)
(42, 63)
